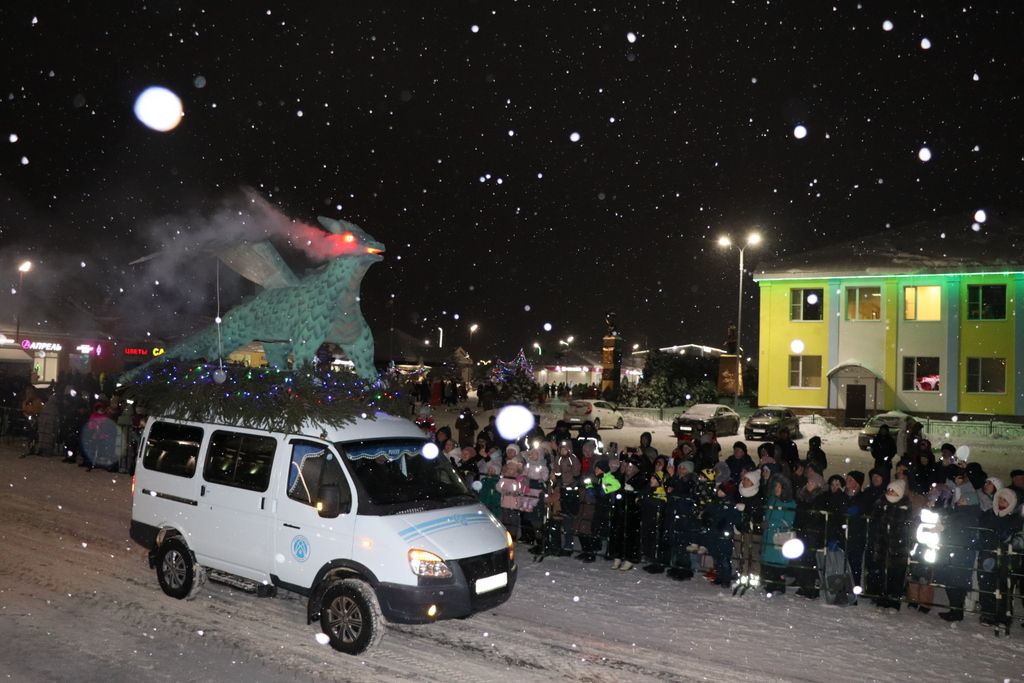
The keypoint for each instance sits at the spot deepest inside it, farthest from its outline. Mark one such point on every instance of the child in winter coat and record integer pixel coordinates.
(511, 487)
(751, 508)
(536, 475)
(779, 513)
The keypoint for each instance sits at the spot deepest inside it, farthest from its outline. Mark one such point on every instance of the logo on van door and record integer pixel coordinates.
(300, 548)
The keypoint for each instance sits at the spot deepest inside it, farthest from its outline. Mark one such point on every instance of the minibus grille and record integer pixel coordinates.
(482, 566)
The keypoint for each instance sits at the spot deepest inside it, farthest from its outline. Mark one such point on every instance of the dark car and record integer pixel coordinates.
(765, 423)
(703, 417)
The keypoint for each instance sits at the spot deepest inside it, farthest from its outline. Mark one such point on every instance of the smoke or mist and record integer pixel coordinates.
(167, 286)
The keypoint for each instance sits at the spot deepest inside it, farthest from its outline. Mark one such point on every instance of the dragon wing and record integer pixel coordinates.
(259, 262)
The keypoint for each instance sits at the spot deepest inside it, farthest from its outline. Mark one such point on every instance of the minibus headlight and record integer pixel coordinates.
(424, 563)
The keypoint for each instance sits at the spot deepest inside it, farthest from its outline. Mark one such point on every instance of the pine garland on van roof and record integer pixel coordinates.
(265, 398)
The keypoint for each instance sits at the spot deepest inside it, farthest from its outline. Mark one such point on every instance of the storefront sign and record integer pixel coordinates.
(144, 351)
(89, 349)
(30, 345)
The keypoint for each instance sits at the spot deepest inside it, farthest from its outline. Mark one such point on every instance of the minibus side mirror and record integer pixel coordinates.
(331, 503)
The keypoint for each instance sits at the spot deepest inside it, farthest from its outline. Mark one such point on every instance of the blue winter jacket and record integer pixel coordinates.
(778, 516)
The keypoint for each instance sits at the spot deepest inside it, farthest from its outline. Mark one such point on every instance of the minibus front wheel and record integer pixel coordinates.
(350, 616)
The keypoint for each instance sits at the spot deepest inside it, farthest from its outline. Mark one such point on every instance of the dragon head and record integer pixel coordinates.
(348, 239)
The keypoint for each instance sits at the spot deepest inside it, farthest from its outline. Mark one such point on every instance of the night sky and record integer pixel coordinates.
(523, 162)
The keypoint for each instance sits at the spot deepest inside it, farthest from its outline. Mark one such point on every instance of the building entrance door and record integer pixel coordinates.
(856, 402)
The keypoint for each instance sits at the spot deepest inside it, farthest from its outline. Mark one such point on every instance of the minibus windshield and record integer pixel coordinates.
(396, 475)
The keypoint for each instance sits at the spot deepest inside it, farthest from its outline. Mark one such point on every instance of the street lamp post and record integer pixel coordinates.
(566, 342)
(440, 337)
(472, 328)
(753, 239)
(23, 268)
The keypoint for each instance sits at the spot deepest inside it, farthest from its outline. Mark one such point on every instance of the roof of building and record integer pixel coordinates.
(954, 244)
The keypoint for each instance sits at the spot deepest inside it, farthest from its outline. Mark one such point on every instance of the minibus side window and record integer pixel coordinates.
(312, 465)
(172, 449)
(240, 460)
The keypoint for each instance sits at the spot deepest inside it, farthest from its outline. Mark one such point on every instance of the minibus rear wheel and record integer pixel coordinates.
(175, 569)
(350, 616)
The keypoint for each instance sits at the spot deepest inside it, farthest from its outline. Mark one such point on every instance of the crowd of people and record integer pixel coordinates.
(74, 419)
(768, 519)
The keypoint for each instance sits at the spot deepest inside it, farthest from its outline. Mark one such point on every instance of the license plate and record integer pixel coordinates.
(491, 583)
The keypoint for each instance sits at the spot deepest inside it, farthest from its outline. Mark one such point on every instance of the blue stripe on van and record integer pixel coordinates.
(434, 525)
(437, 529)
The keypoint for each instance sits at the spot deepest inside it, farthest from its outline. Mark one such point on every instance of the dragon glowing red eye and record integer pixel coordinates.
(348, 237)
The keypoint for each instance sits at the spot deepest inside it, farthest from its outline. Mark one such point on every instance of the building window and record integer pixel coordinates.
(920, 373)
(986, 302)
(863, 303)
(806, 304)
(922, 303)
(805, 372)
(986, 375)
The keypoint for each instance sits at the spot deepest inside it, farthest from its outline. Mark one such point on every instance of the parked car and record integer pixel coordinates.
(766, 422)
(601, 413)
(896, 419)
(702, 417)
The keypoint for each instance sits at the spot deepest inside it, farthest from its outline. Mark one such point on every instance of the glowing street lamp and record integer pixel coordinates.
(440, 337)
(472, 328)
(537, 346)
(23, 268)
(753, 239)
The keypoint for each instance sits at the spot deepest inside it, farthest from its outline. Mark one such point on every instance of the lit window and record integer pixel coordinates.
(986, 375)
(806, 304)
(863, 303)
(922, 303)
(805, 372)
(920, 373)
(986, 302)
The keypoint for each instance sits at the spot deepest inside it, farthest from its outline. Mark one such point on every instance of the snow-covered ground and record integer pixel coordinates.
(78, 602)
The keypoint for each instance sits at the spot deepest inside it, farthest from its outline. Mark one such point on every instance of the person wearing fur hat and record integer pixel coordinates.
(751, 508)
(511, 487)
(565, 475)
(779, 513)
(890, 531)
(997, 525)
(536, 475)
(958, 551)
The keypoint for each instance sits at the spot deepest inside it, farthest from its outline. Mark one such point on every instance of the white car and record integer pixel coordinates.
(601, 413)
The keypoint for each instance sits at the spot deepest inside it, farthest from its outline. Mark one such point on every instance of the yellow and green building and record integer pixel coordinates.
(911, 320)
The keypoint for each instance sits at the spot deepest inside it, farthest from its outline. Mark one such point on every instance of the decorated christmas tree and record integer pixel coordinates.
(514, 379)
